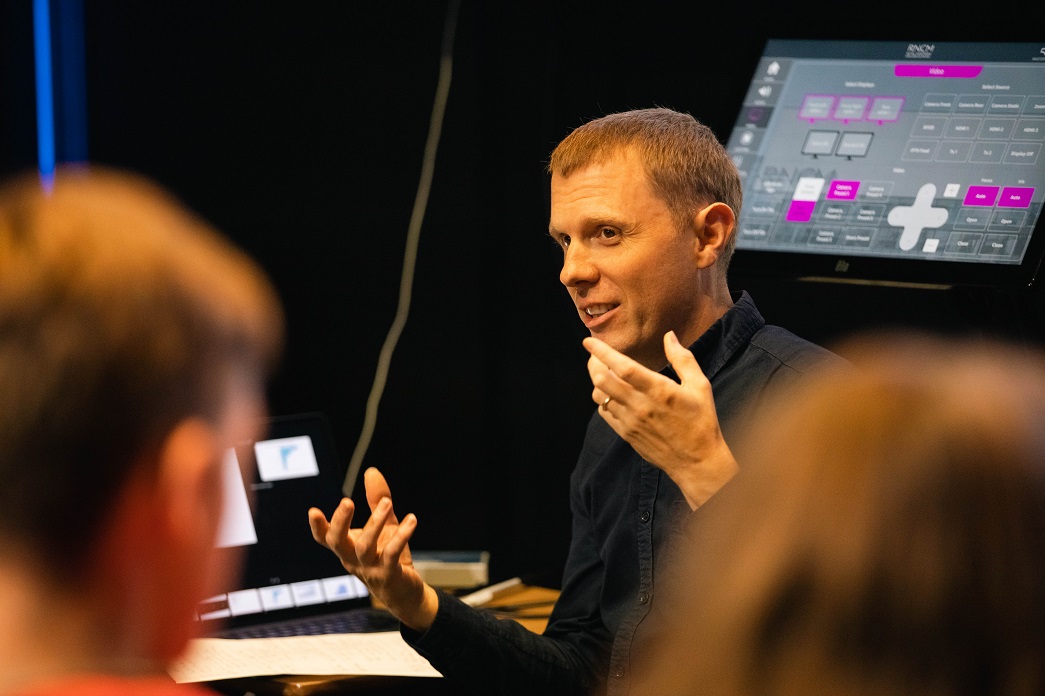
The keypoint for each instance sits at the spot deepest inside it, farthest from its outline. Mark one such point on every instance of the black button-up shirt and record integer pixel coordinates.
(626, 513)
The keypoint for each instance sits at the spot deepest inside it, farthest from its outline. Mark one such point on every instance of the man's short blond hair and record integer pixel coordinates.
(686, 164)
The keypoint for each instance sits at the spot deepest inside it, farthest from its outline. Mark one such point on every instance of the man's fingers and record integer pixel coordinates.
(317, 522)
(395, 546)
(607, 384)
(618, 364)
(682, 361)
(340, 522)
(602, 379)
(376, 487)
(367, 541)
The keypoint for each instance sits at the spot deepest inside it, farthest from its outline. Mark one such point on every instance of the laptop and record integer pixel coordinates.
(289, 585)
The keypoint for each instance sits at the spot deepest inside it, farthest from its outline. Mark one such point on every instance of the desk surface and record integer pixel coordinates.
(528, 605)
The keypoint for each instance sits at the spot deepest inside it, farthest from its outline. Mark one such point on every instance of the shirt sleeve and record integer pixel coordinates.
(484, 654)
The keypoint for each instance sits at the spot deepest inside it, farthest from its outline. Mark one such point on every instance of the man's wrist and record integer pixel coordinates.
(422, 618)
(714, 473)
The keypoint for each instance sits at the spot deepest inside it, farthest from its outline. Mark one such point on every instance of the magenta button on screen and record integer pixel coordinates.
(907, 70)
(981, 195)
(1016, 197)
(842, 190)
(800, 211)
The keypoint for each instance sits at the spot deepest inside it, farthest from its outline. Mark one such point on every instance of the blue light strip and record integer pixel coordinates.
(44, 93)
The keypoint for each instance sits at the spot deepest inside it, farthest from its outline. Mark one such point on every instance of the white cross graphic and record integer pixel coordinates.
(917, 216)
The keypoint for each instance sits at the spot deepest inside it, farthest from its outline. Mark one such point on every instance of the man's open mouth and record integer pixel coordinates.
(597, 310)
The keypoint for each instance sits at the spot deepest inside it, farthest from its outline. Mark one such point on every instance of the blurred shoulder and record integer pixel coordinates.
(794, 353)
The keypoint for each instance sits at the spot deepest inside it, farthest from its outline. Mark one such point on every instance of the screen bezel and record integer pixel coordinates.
(840, 267)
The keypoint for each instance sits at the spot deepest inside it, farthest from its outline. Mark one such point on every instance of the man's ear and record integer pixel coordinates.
(189, 488)
(167, 506)
(156, 558)
(714, 226)
(189, 479)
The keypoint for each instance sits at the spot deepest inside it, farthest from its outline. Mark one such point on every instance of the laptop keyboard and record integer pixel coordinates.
(351, 621)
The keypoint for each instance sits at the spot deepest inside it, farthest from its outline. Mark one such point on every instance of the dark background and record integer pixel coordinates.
(298, 129)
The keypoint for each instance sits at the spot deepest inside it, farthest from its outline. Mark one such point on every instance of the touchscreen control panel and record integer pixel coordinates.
(893, 150)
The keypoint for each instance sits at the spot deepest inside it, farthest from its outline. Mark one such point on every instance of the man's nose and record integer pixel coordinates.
(578, 268)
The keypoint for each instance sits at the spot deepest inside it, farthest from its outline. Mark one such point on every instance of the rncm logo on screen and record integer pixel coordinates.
(920, 50)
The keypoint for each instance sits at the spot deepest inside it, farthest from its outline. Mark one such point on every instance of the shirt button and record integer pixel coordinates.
(618, 672)
(643, 598)
(644, 516)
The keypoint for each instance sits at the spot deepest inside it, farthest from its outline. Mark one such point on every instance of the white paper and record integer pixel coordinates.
(384, 653)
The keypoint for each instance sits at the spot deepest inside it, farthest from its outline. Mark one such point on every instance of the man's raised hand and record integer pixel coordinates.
(378, 553)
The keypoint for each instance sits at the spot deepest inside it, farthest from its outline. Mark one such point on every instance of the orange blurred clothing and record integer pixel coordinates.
(100, 685)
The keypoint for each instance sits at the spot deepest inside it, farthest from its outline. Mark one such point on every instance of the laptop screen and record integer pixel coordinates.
(269, 487)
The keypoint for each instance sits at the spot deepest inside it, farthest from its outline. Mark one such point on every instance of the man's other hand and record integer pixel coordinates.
(672, 426)
(378, 553)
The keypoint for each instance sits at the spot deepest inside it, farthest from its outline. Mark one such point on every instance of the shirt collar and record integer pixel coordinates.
(731, 332)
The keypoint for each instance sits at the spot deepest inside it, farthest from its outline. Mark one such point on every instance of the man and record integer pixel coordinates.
(643, 206)
(134, 344)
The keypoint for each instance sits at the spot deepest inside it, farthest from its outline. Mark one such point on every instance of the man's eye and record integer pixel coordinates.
(607, 232)
(564, 241)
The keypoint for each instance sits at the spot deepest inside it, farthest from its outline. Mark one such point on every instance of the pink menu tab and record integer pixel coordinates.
(934, 70)
(1016, 197)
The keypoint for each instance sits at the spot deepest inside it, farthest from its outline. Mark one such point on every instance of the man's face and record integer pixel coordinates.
(630, 271)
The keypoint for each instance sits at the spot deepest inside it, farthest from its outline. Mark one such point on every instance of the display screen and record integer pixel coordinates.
(915, 163)
(269, 485)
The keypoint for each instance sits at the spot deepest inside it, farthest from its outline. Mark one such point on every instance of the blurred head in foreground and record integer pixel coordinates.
(886, 535)
(135, 344)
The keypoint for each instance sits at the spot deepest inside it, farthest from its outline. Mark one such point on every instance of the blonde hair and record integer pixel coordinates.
(685, 163)
(121, 313)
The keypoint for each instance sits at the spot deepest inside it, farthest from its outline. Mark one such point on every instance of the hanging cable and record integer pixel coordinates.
(413, 235)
